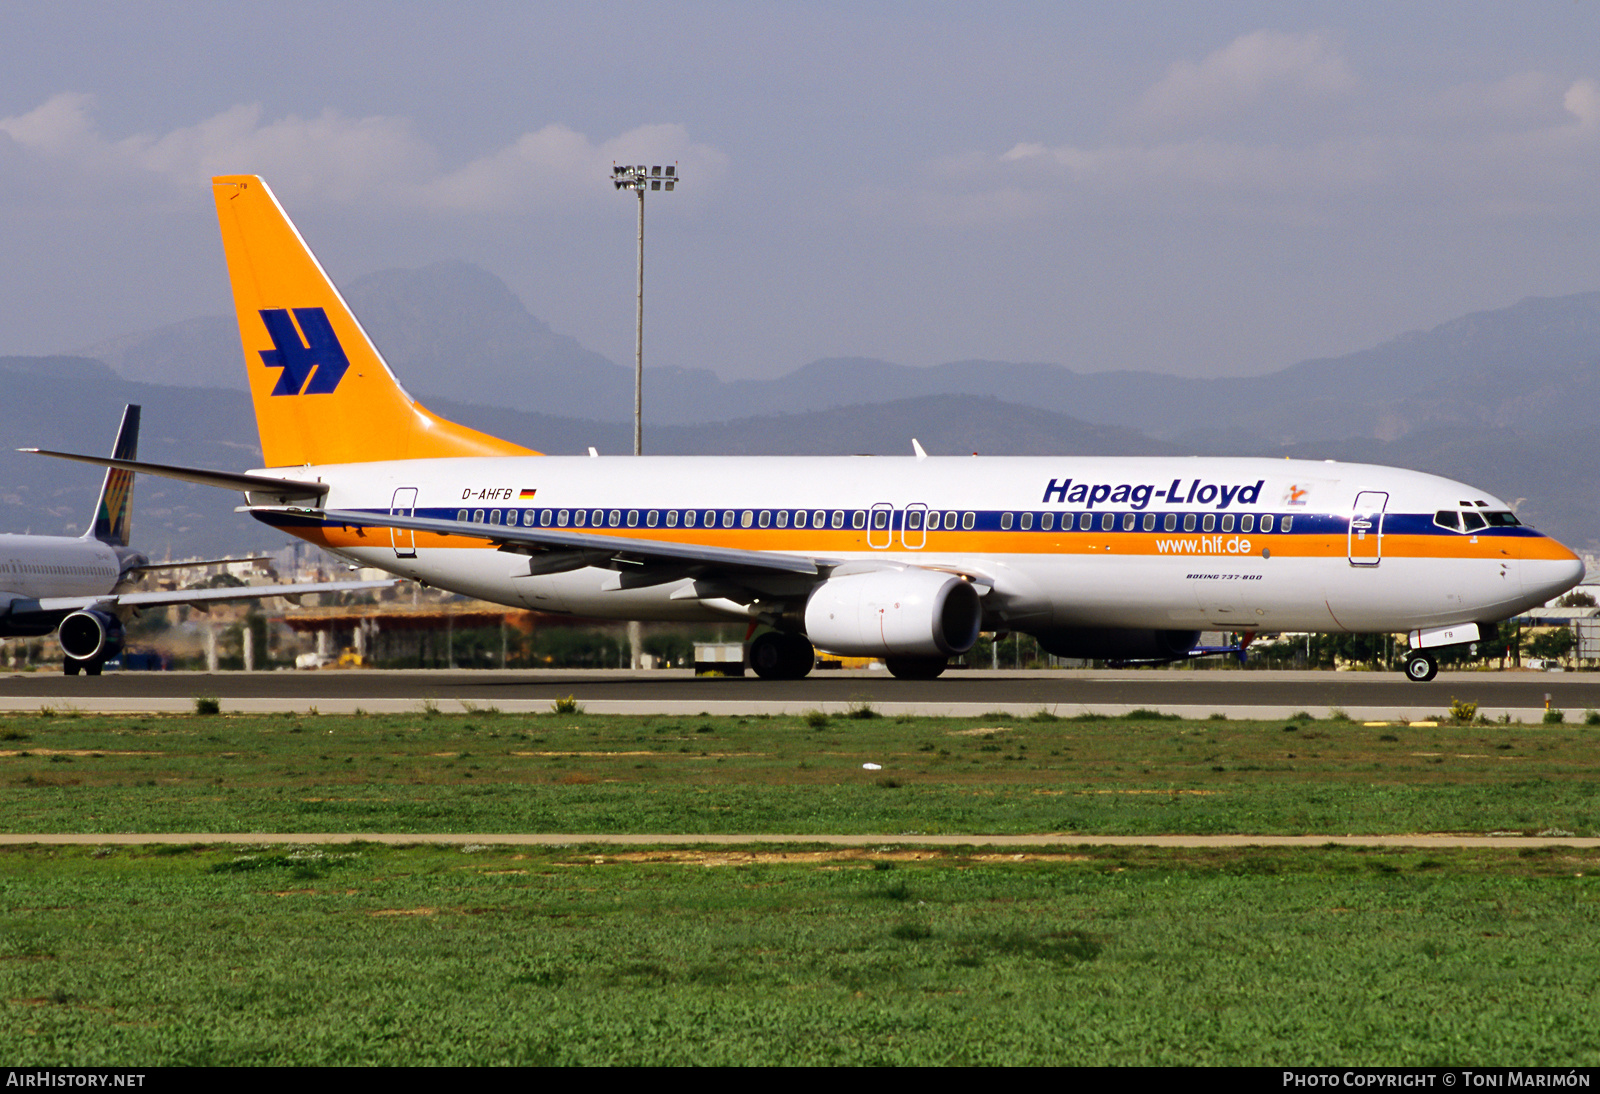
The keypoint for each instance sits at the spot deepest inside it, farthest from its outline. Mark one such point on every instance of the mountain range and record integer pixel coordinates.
(1502, 399)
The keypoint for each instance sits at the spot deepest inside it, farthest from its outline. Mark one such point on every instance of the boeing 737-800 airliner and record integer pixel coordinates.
(73, 583)
(907, 559)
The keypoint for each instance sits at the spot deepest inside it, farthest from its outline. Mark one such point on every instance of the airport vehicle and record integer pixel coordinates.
(905, 558)
(72, 583)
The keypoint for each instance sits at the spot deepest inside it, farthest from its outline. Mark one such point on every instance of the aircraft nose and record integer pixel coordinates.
(1547, 577)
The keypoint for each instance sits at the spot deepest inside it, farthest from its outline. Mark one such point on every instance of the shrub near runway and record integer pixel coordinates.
(485, 772)
(792, 955)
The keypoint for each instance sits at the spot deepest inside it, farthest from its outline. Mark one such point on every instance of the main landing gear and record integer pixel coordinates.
(71, 666)
(779, 655)
(915, 668)
(1421, 667)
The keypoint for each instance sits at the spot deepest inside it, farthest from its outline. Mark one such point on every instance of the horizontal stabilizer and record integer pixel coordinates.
(285, 490)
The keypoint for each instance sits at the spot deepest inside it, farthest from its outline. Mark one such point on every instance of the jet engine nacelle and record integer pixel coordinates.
(89, 635)
(894, 613)
(1116, 644)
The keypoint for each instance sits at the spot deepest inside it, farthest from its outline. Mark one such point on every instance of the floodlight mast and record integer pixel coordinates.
(639, 179)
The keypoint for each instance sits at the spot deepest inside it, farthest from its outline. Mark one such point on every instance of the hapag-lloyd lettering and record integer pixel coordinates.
(1189, 492)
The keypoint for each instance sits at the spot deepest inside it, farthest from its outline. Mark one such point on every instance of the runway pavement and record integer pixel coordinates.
(1363, 696)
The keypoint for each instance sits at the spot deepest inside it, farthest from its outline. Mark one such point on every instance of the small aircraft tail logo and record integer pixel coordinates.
(319, 358)
(113, 516)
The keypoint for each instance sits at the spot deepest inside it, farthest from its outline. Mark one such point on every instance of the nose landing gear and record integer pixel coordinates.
(1420, 667)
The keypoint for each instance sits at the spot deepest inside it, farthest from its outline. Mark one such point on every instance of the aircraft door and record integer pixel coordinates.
(404, 504)
(914, 526)
(880, 526)
(1366, 528)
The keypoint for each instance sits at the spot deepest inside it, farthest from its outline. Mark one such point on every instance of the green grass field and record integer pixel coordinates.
(379, 955)
(370, 954)
(578, 773)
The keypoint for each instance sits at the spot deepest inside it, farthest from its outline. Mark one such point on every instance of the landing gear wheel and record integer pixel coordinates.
(1421, 668)
(915, 668)
(71, 666)
(92, 668)
(777, 655)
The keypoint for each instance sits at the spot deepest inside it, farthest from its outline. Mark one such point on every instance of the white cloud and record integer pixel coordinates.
(339, 159)
(1244, 72)
(1582, 101)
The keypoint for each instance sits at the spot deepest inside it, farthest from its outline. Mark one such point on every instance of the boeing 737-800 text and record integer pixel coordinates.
(905, 558)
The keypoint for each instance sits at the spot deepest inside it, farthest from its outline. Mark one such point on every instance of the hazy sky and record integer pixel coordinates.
(1200, 189)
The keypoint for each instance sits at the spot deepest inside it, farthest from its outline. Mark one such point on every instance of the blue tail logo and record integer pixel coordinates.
(319, 358)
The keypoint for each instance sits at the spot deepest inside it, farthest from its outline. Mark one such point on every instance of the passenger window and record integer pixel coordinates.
(1108, 521)
(1129, 521)
(880, 519)
(650, 519)
(858, 519)
(1149, 522)
(1266, 522)
(477, 516)
(633, 518)
(1005, 522)
(819, 519)
(1047, 521)
(1027, 521)
(616, 518)
(1227, 522)
(561, 519)
(746, 519)
(494, 516)
(1208, 523)
(765, 519)
(799, 518)
(1188, 522)
(838, 518)
(461, 515)
(1169, 523)
(1086, 522)
(968, 520)
(727, 518)
(544, 518)
(672, 518)
(1247, 523)
(913, 520)
(783, 518)
(1288, 523)
(597, 518)
(580, 517)
(688, 518)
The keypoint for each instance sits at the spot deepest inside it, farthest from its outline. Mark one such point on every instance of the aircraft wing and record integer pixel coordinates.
(194, 597)
(572, 550)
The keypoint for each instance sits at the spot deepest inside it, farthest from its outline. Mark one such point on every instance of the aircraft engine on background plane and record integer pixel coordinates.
(91, 636)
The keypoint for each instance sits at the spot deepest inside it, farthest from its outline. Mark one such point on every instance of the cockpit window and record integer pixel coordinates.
(1473, 520)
